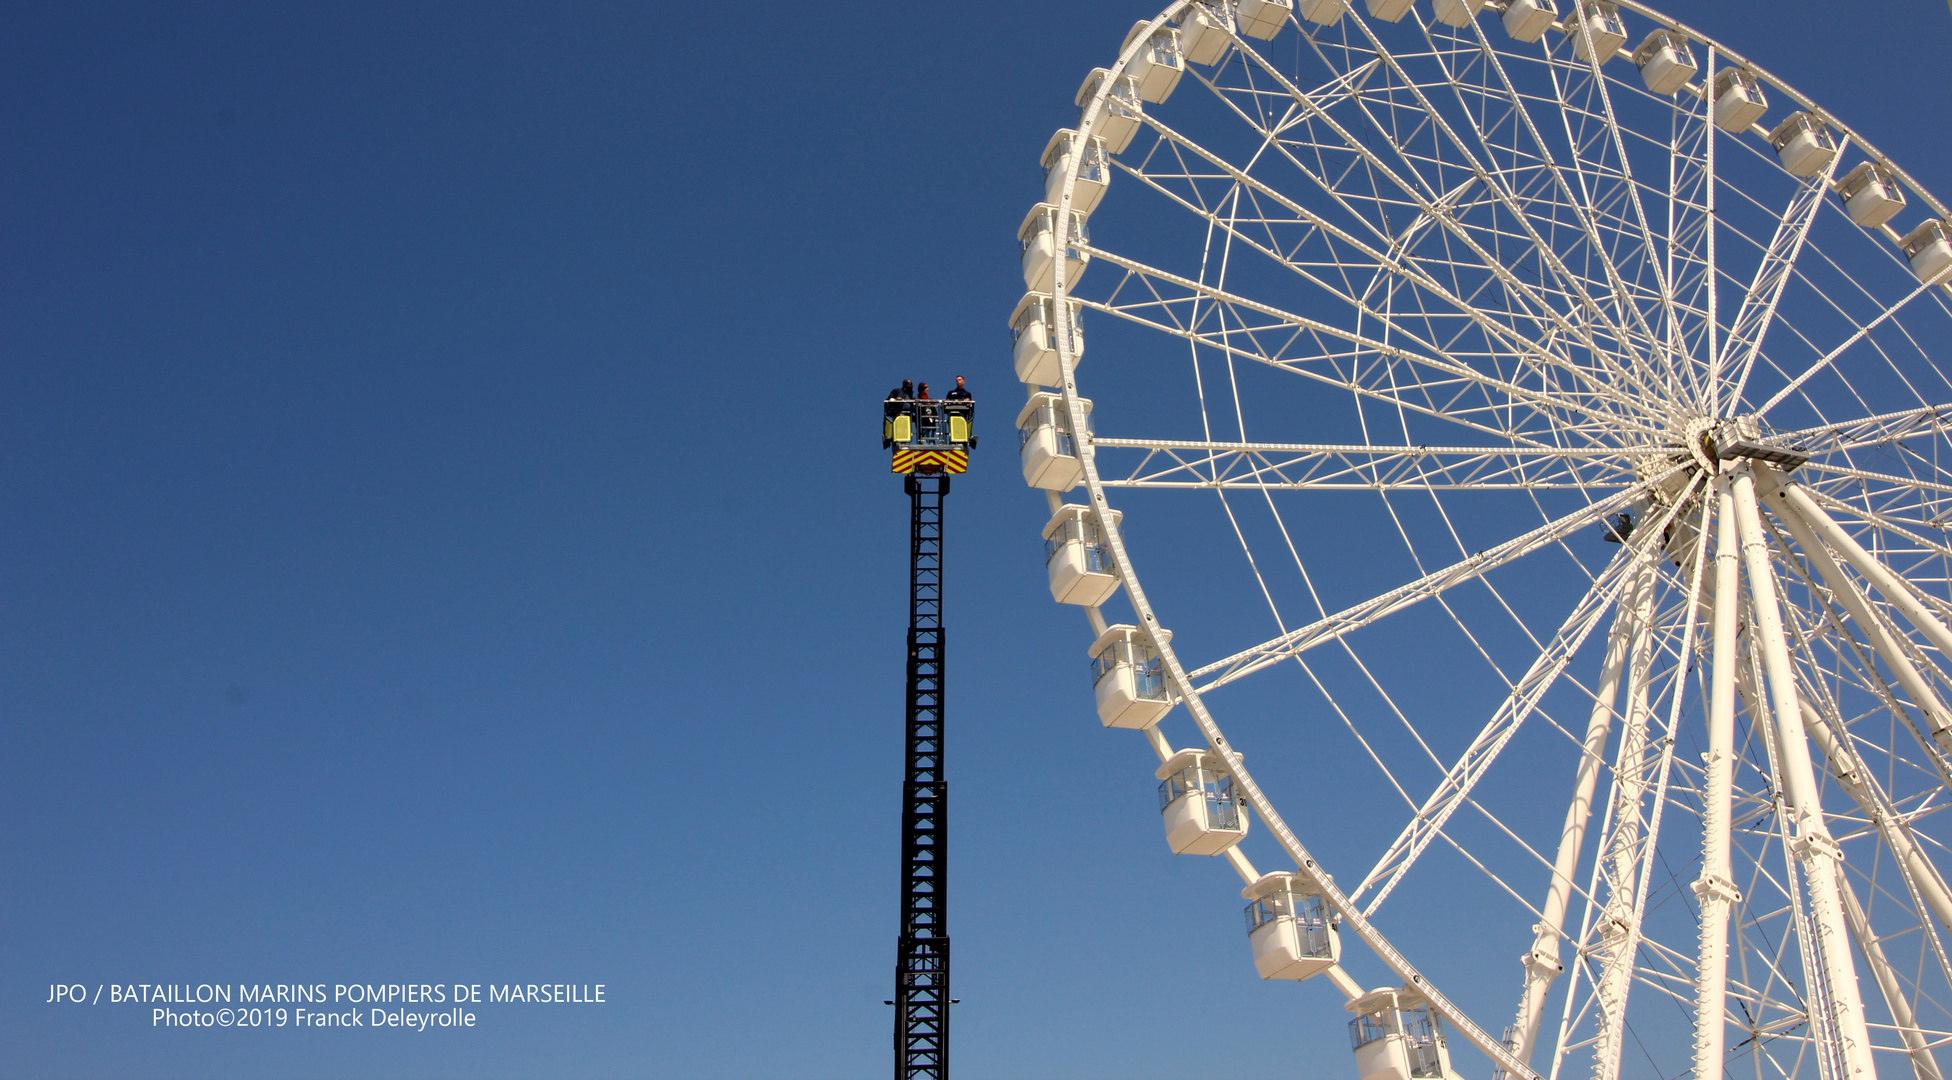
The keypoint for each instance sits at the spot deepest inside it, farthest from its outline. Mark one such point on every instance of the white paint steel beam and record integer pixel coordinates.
(1360, 615)
(1879, 634)
(1923, 1065)
(1544, 964)
(1827, 954)
(1619, 855)
(1517, 707)
(1715, 888)
(1895, 591)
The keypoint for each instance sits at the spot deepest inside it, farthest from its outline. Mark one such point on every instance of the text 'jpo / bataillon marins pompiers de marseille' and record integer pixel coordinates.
(284, 1004)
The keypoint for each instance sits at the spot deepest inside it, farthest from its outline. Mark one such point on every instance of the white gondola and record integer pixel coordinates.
(1158, 64)
(1129, 679)
(1094, 172)
(1528, 20)
(1264, 18)
(1871, 195)
(1289, 926)
(1804, 144)
(1390, 10)
(1046, 446)
(1323, 12)
(1397, 1036)
(1739, 101)
(1203, 37)
(1203, 813)
(1034, 332)
(1608, 33)
(1124, 113)
(1037, 240)
(1458, 13)
(1665, 62)
(1929, 250)
(1078, 558)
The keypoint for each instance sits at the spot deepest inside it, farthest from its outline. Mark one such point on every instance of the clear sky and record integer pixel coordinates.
(445, 537)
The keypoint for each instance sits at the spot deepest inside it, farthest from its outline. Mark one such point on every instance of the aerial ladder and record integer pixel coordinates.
(930, 442)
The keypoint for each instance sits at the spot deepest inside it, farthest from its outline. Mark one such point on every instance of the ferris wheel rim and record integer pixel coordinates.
(1096, 492)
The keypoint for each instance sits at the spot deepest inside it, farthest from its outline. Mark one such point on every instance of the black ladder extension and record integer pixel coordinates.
(922, 955)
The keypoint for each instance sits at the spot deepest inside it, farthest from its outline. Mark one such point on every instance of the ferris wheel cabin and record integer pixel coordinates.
(1929, 250)
(1129, 679)
(1204, 814)
(1739, 101)
(1397, 1036)
(1289, 928)
(1263, 19)
(1458, 13)
(1871, 195)
(1078, 558)
(1159, 62)
(1124, 113)
(1203, 35)
(1033, 332)
(1603, 28)
(1666, 63)
(1094, 173)
(1046, 444)
(1037, 238)
(1528, 20)
(1804, 144)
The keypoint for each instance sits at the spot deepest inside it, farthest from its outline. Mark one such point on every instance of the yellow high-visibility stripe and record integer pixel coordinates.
(948, 461)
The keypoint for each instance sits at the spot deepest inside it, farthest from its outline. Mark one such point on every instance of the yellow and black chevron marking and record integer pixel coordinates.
(946, 461)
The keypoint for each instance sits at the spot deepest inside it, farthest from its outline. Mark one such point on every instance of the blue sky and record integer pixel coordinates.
(445, 538)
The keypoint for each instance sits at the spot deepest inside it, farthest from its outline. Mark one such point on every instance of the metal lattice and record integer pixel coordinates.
(922, 954)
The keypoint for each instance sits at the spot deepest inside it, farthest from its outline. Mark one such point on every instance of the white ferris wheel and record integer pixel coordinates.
(1536, 424)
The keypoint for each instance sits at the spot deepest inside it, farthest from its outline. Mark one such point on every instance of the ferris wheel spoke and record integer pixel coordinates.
(1296, 466)
(1904, 483)
(1456, 400)
(1880, 430)
(1502, 340)
(1334, 627)
(1633, 230)
(1588, 216)
(1758, 309)
(1501, 178)
(1436, 361)
(1824, 362)
(1501, 195)
(1446, 208)
(1517, 707)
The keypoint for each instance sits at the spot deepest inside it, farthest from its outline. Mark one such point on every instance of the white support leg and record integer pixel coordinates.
(1897, 836)
(1619, 854)
(1810, 536)
(1716, 887)
(1895, 591)
(1543, 963)
(1829, 953)
(1922, 1063)
(1851, 777)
